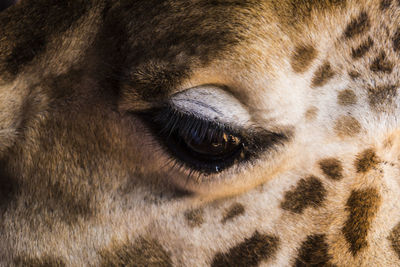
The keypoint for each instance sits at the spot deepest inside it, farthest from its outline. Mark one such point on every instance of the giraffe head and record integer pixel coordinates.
(200, 133)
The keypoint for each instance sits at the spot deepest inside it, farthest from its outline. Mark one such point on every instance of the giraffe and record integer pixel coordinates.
(200, 133)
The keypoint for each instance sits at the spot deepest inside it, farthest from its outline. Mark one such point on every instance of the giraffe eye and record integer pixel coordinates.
(215, 147)
(206, 146)
(203, 145)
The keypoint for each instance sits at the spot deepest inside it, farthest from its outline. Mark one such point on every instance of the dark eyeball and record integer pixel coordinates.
(216, 147)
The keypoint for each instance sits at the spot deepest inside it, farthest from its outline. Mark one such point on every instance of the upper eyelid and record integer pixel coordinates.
(251, 132)
(212, 102)
(187, 116)
(200, 104)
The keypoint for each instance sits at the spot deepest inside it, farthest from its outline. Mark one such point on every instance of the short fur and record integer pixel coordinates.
(84, 181)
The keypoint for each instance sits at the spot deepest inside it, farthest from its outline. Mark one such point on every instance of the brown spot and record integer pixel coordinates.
(233, 211)
(347, 98)
(322, 75)
(45, 261)
(251, 252)
(27, 39)
(332, 168)
(396, 40)
(380, 97)
(354, 74)
(143, 253)
(385, 4)
(302, 58)
(347, 126)
(311, 113)
(366, 161)
(381, 64)
(394, 238)
(313, 252)
(357, 26)
(362, 49)
(363, 206)
(194, 217)
(309, 192)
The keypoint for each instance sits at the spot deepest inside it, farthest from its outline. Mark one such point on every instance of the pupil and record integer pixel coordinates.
(219, 146)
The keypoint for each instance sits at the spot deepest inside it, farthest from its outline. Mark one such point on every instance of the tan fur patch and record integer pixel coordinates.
(45, 261)
(313, 252)
(294, 12)
(309, 192)
(347, 98)
(322, 75)
(235, 210)
(143, 253)
(394, 238)
(332, 168)
(251, 252)
(194, 217)
(302, 58)
(362, 206)
(366, 161)
(347, 126)
(357, 26)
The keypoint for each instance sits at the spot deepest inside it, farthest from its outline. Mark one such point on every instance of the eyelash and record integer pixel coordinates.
(170, 125)
(167, 123)
(188, 124)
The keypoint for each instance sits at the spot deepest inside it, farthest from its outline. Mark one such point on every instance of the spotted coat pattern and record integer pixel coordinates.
(86, 181)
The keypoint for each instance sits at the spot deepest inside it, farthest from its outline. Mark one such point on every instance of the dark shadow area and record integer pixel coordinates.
(8, 188)
(6, 3)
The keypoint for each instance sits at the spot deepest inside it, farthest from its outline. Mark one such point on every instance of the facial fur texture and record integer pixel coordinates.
(85, 181)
